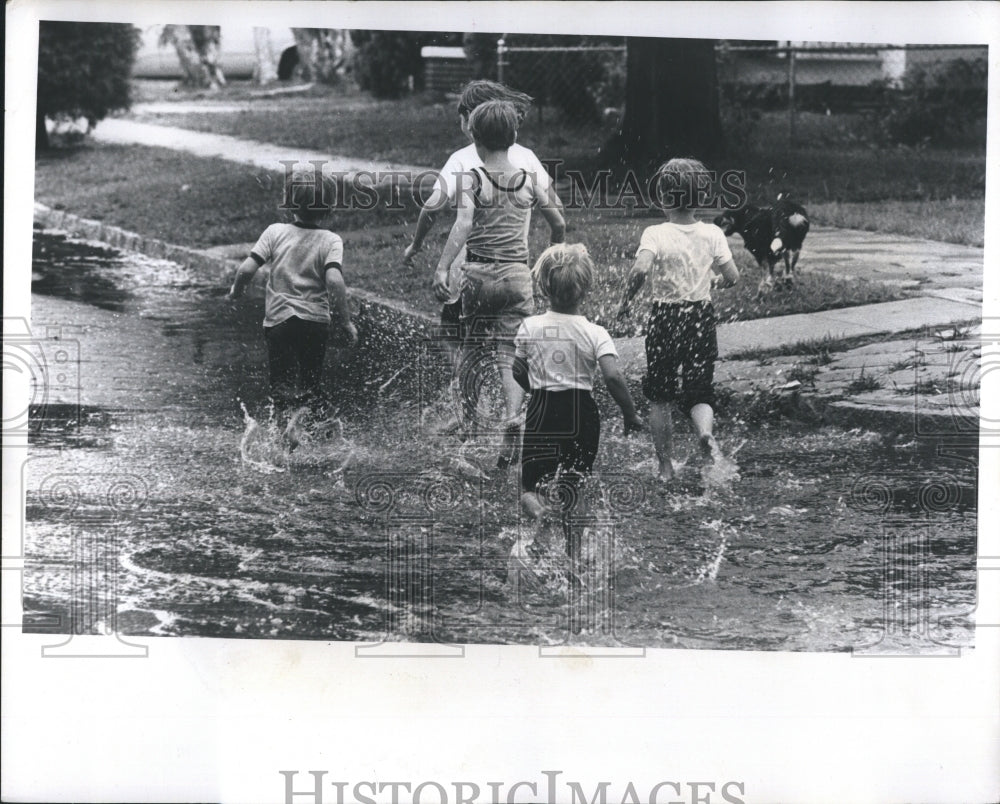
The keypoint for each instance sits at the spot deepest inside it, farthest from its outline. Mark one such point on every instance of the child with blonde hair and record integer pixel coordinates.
(557, 355)
(680, 259)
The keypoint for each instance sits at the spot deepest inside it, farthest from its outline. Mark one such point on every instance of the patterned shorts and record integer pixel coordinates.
(681, 350)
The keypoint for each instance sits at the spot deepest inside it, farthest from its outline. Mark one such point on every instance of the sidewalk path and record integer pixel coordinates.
(248, 152)
(847, 322)
(930, 267)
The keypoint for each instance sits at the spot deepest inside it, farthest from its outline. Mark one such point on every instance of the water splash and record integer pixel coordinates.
(258, 439)
(710, 569)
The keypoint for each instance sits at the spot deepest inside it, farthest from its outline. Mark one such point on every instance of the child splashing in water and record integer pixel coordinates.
(452, 177)
(678, 259)
(557, 355)
(304, 284)
(492, 225)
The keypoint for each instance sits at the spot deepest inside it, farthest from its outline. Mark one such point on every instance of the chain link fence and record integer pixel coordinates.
(895, 93)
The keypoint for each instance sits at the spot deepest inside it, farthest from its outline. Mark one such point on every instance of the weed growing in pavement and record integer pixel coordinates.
(862, 384)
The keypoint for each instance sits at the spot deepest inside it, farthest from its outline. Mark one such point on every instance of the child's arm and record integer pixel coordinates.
(244, 275)
(425, 220)
(337, 292)
(615, 381)
(551, 208)
(636, 279)
(730, 274)
(456, 240)
(520, 366)
(521, 373)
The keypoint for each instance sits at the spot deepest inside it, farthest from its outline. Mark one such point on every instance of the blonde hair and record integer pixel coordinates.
(678, 182)
(564, 274)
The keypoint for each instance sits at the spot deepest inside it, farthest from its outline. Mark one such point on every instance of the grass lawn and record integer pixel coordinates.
(208, 202)
(833, 169)
(955, 220)
(419, 130)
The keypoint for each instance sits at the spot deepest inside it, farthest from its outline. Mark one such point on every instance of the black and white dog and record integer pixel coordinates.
(770, 234)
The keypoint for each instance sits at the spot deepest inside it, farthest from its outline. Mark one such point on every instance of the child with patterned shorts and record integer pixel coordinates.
(679, 258)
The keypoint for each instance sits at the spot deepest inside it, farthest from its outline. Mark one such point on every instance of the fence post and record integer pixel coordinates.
(501, 58)
(791, 97)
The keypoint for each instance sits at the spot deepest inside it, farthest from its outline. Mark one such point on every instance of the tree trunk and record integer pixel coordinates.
(197, 49)
(324, 53)
(208, 41)
(187, 54)
(305, 42)
(265, 71)
(671, 105)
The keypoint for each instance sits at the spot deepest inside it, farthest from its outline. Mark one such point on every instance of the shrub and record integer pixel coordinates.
(388, 63)
(385, 62)
(937, 105)
(83, 71)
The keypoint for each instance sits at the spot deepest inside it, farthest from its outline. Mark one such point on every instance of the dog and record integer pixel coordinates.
(770, 234)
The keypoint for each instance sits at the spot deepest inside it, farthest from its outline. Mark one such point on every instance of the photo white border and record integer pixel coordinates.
(216, 720)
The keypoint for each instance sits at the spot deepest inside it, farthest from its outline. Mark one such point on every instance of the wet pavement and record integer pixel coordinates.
(375, 529)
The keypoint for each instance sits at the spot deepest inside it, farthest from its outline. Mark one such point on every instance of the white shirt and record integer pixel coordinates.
(299, 255)
(683, 258)
(457, 175)
(458, 171)
(562, 351)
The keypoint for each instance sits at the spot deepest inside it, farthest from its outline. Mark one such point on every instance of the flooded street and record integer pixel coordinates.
(374, 530)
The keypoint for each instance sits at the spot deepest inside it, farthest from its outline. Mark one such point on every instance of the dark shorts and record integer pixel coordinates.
(451, 318)
(495, 298)
(295, 352)
(562, 429)
(681, 350)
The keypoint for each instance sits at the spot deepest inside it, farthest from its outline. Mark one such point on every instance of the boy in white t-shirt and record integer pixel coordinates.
(305, 281)
(678, 259)
(556, 357)
(456, 177)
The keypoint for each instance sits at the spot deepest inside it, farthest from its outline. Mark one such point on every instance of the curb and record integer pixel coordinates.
(397, 321)
(213, 266)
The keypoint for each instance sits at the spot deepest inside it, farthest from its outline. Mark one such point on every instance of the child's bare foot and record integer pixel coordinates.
(709, 449)
(666, 471)
(292, 434)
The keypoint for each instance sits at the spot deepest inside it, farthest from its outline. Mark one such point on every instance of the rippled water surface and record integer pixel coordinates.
(151, 512)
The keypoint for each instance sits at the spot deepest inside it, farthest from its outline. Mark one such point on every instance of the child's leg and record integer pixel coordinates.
(281, 362)
(469, 377)
(661, 426)
(664, 333)
(532, 504)
(513, 400)
(703, 417)
(311, 351)
(698, 378)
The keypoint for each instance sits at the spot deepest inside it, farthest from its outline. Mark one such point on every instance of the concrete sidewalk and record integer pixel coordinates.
(765, 334)
(929, 267)
(263, 155)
